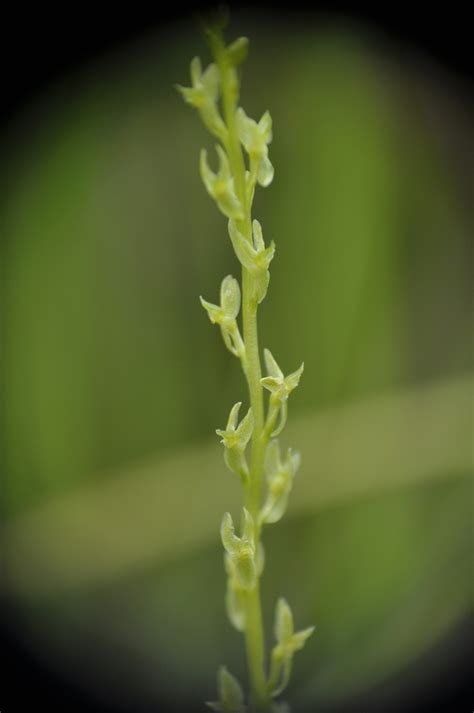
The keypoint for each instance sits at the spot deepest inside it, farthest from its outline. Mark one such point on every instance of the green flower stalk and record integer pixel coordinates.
(251, 447)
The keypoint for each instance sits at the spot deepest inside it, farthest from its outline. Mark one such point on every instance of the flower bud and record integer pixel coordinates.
(220, 185)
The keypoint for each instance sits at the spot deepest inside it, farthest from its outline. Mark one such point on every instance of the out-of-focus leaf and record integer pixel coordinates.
(157, 511)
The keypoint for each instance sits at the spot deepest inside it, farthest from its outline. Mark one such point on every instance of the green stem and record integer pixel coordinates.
(254, 633)
(254, 625)
(255, 647)
(254, 374)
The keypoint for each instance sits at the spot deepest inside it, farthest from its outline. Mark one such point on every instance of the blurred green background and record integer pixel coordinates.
(114, 381)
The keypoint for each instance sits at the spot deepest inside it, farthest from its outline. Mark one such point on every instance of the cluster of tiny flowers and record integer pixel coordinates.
(214, 93)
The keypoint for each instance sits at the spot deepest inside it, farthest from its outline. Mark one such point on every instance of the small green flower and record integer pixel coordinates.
(225, 315)
(255, 139)
(280, 476)
(280, 388)
(237, 436)
(203, 96)
(220, 185)
(254, 256)
(235, 599)
(205, 86)
(231, 697)
(288, 642)
(235, 439)
(241, 549)
(279, 385)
